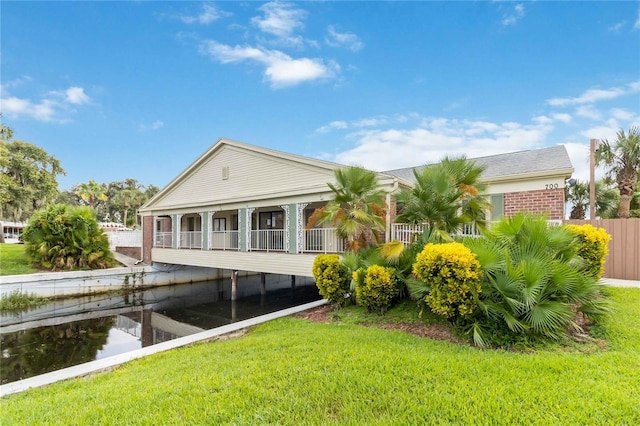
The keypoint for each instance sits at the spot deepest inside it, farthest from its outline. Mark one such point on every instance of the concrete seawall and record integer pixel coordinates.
(83, 283)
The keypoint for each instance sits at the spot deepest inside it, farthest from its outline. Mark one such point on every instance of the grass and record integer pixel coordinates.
(16, 301)
(13, 260)
(292, 371)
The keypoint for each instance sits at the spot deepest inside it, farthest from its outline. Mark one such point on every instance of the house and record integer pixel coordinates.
(243, 207)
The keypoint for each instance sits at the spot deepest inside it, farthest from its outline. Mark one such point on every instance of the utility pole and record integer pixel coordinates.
(592, 181)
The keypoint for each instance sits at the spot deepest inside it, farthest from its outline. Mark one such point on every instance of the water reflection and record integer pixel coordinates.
(73, 331)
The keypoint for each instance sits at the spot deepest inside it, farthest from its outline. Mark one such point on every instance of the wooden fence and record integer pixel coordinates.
(623, 261)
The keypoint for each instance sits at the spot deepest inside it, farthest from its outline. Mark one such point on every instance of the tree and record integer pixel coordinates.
(623, 160)
(92, 192)
(358, 207)
(445, 196)
(67, 237)
(28, 177)
(578, 196)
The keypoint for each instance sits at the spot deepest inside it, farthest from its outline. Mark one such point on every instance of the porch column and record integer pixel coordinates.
(234, 285)
(244, 217)
(205, 226)
(176, 222)
(298, 235)
(287, 227)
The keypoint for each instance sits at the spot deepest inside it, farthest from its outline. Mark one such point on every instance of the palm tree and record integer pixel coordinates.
(91, 192)
(578, 196)
(358, 207)
(623, 160)
(445, 196)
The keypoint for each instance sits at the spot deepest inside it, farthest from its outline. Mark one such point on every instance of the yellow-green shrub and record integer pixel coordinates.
(592, 247)
(453, 273)
(375, 287)
(332, 278)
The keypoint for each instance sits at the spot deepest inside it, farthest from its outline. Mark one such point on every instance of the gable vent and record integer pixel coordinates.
(225, 172)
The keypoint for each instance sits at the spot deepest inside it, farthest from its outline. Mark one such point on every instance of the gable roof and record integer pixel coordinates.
(544, 161)
(257, 173)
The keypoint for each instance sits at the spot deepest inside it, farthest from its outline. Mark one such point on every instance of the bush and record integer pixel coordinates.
(64, 237)
(592, 247)
(332, 278)
(530, 281)
(375, 287)
(453, 273)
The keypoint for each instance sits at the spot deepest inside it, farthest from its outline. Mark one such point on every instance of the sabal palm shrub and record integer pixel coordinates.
(533, 282)
(63, 237)
(445, 196)
(357, 210)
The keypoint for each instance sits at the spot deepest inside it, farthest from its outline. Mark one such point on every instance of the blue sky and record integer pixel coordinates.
(141, 89)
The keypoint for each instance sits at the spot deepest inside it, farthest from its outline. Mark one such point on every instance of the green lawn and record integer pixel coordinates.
(292, 371)
(13, 260)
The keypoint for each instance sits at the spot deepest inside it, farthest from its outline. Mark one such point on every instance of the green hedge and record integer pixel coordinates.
(332, 278)
(592, 247)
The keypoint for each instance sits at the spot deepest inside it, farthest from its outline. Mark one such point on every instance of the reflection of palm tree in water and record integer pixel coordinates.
(37, 351)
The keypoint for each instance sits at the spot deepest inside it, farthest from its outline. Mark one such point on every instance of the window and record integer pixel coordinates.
(271, 220)
(191, 224)
(219, 225)
(497, 206)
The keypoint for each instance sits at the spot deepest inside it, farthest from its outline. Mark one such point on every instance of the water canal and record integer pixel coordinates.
(73, 331)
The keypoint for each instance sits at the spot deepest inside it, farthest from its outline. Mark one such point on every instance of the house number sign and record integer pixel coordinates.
(551, 186)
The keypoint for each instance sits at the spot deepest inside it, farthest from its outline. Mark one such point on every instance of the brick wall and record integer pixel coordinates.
(550, 202)
(148, 224)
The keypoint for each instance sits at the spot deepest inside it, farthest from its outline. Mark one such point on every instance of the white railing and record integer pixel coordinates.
(132, 238)
(163, 240)
(322, 240)
(407, 233)
(268, 240)
(223, 240)
(191, 239)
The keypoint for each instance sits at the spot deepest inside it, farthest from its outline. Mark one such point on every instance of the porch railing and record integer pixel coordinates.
(163, 240)
(223, 240)
(191, 240)
(268, 240)
(322, 240)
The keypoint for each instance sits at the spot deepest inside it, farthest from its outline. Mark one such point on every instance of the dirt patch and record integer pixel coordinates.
(444, 332)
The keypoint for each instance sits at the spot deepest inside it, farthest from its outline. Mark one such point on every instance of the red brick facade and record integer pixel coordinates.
(147, 238)
(550, 202)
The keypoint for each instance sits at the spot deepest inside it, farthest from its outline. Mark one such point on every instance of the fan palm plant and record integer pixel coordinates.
(623, 159)
(357, 209)
(445, 196)
(533, 280)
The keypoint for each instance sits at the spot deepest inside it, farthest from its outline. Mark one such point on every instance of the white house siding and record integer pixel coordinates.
(272, 263)
(251, 175)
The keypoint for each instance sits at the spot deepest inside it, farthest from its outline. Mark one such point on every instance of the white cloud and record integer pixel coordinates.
(386, 149)
(331, 126)
(76, 95)
(208, 15)
(595, 95)
(280, 69)
(152, 126)
(622, 114)
(588, 111)
(636, 25)
(50, 108)
(280, 19)
(617, 26)
(514, 16)
(565, 118)
(338, 39)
